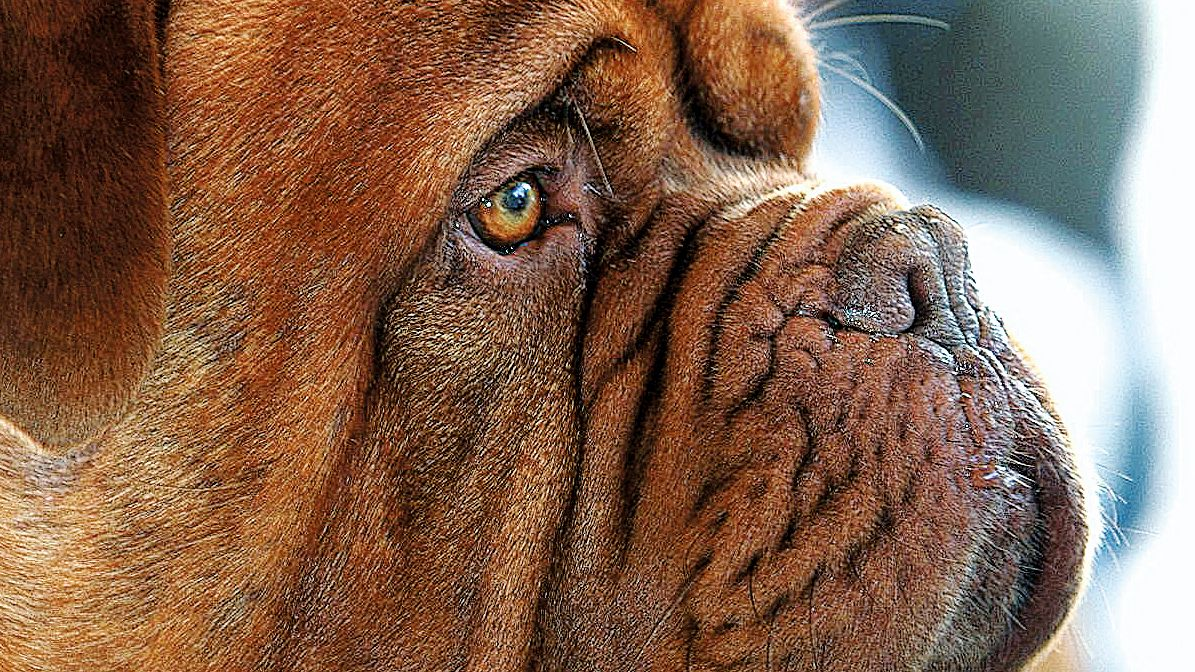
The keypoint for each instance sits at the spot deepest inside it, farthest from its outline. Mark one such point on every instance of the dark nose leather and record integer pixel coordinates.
(906, 272)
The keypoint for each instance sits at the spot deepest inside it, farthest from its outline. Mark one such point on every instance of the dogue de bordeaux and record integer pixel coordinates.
(490, 335)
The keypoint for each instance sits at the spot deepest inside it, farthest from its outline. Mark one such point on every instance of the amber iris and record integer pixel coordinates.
(509, 215)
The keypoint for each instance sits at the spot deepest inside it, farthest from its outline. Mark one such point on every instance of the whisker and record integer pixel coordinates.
(626, 45)
(1113, 535)
(910, 19)
(884, 100)
(825, 9)
(593, 147)
(672, 606)
(1111, 471)
(850, 61)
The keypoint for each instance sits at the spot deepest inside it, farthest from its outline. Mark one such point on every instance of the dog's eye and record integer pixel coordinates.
(509, 215)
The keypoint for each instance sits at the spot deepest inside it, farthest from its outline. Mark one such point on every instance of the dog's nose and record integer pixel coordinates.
(906, 272)
(829, 263)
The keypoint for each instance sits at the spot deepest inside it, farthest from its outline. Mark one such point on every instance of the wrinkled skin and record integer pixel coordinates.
(267, 401)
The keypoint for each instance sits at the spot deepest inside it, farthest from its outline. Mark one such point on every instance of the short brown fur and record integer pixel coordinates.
(267, 402)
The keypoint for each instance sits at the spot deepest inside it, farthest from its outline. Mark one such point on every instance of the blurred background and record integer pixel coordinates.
(1059, 134)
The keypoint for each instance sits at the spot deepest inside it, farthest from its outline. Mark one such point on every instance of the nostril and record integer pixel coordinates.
(874, 276)
(935, 318)
(905, 272)
(878, 303)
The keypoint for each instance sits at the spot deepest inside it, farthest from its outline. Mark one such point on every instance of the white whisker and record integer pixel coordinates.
(910, 19)
(850, 61)
(1106, 470)
(884, 100)
(626, 45)
(1141, 532)
(824, 9)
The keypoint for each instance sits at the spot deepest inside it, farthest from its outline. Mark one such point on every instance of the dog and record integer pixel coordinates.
(482, 335)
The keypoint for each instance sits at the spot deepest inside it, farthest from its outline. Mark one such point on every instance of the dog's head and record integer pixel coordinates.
(495, 334)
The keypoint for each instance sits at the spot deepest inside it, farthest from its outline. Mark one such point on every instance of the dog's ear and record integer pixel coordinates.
(84, 244)
(753, 74)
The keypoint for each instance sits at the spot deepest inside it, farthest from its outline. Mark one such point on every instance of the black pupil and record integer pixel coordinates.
(515, 197)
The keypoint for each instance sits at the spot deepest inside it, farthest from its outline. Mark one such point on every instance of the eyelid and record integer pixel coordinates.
(539, 149)
(581, 58)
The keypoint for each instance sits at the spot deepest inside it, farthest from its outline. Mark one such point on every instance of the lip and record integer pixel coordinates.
(1066, 524)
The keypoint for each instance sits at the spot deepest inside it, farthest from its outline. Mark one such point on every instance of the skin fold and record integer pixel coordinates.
(269, 398)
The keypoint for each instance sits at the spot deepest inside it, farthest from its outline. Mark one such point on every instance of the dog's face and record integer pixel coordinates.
(506, 335)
